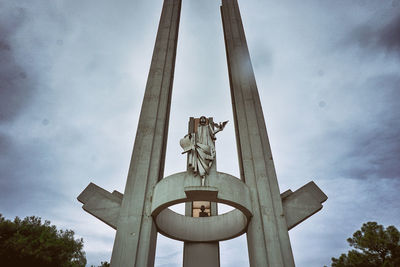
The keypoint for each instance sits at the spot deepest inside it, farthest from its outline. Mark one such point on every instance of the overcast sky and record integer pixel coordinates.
(72, 79)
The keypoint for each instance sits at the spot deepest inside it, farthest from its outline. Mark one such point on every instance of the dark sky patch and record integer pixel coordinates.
(377, 36)
(375, 154)
(25, 170)
(371, 143)
(389, 36)
(16, 85)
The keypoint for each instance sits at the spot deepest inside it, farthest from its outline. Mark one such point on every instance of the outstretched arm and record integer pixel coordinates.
(219, 126)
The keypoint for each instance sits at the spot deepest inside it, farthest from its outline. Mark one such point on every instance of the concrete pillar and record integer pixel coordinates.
(135, 240)
(267, 235)
(201, 254)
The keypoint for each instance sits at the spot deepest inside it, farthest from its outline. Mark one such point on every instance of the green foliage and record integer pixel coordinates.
(374, 246)
(29, 242)
(104, 264)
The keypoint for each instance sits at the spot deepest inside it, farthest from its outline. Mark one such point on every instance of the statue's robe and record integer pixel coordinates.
(203, 150)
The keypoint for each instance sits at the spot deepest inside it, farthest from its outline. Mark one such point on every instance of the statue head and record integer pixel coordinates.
(203, 120)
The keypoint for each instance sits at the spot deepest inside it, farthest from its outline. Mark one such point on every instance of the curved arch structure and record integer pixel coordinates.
(184, 187)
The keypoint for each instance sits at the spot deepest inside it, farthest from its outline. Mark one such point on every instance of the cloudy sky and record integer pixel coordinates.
(72, 79)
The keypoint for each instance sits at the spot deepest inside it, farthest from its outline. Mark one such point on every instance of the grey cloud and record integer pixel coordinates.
(375, 154)
(25, 163)
(390, 35)
(262, 58)
(378, 144)
(370, 141)
(16, 83)
(91, 61)
(374, 35)
(100, 256)
(25, 170)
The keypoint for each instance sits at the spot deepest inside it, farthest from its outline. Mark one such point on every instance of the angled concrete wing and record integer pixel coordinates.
(301, 204)
(102, 204)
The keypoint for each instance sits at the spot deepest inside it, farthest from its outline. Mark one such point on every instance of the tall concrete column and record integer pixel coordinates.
(135, 240)
(267, 235)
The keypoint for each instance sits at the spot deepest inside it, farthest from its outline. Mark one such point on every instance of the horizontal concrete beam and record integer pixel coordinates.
(301, 204)
(297, 206)
(102, 204)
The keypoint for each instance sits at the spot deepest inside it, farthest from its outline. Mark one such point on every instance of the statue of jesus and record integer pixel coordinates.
(201, 146)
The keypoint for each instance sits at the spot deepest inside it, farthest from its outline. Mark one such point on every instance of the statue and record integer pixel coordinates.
(201, 146)
(202, 212)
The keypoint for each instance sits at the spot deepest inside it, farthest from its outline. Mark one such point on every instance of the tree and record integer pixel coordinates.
(374, 246)
(29, 242)
(103, 264)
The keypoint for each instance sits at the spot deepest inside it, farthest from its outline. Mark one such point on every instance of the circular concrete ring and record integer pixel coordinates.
(184, 187)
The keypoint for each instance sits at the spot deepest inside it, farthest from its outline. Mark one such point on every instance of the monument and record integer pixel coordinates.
(260, 210)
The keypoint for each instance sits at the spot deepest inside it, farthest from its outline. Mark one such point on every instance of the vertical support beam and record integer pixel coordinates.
(200, 254)
(267, 235)
(136, 236)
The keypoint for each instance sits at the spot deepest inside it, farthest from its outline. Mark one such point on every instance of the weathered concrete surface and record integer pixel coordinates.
(184, 187)
(221, 188)
(201, 254)
(203, 229)
(135, 240)
(297, 206)
(102, 204)
(302, 203)
(267, 236)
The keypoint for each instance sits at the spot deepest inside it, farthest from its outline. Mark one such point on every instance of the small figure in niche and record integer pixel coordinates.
(202, 212)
